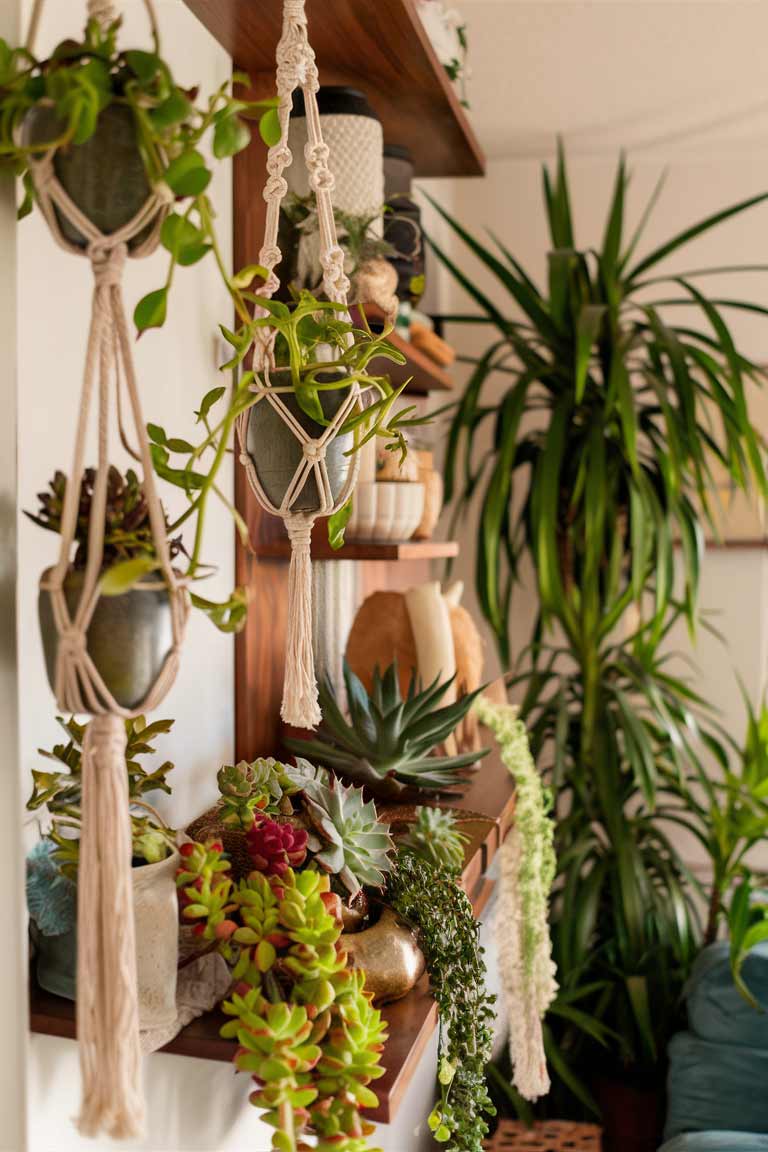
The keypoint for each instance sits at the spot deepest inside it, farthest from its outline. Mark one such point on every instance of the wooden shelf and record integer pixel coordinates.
(488, 807)
(421, 372)
(380, 47)
(280, 549)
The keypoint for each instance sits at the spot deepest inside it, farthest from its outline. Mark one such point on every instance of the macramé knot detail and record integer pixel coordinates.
(107, 263)
(71, 643)
(314, 451)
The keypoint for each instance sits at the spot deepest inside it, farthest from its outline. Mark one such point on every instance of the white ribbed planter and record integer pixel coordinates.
(156, 914)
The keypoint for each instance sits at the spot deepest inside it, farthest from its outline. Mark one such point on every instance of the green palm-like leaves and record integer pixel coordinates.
(608, 427)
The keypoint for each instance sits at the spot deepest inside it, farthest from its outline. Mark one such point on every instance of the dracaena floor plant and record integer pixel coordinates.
(612, 419)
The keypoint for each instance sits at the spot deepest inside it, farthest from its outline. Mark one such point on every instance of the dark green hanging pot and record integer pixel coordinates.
(105, 176)
(128, 639)
(276, 453)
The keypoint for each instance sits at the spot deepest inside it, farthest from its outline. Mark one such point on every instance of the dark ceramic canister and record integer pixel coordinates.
(276, 453)
(402, 224)
(129, 637)
(105, 176)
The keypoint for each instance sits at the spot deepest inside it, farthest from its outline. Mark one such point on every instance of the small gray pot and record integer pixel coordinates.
(276, 453)
(105, 176)
(129, 636)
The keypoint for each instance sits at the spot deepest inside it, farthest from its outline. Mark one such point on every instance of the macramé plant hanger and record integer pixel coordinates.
(296, 68)
(107, 1007)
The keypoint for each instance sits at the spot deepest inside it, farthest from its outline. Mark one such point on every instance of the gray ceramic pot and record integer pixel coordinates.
(105, 176)
(128, 639)
(56, 963)
(276, 453)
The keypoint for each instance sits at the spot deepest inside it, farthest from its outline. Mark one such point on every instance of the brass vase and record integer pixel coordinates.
(389, 955)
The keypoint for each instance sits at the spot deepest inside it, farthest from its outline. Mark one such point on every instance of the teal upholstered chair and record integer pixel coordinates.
(718, 1069)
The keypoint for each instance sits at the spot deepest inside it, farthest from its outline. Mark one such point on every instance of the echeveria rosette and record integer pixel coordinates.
(247, 789)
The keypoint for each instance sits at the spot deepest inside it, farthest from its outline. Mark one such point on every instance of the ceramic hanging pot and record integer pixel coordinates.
(129, 636)
(276, 453)
(105, 176)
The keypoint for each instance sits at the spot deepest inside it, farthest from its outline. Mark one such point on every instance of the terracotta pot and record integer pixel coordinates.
(389, 955)
(433, 496)
(105, 176)
(129, 636)
(633, 1114)
(156, 916)
(276, 453)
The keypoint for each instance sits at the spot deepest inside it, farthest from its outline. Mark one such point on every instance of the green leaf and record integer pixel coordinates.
(269, 128)
(122, 577)
(150, 312)
(173, 110)
(337, 524)
(590, 319)
(245, 277)
(209, 400)
(187, 174)
(144, 65)
(230, 136)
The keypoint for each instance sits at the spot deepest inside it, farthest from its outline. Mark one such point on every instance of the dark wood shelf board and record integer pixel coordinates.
(382, 48)
(280, 549)
(488, 803)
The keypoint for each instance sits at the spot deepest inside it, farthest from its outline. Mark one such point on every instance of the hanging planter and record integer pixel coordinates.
(307, 337)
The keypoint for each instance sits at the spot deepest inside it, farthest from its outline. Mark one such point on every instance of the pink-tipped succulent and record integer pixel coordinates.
(275, 847)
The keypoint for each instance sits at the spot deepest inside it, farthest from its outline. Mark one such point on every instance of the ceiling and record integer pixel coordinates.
(647, 75)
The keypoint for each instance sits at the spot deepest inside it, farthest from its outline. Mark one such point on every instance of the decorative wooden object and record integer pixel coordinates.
(549, 1136)
(381, 48)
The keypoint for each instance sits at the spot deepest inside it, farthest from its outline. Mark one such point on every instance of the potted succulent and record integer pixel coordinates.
(388, 743)
(130, 634)
(52, 869)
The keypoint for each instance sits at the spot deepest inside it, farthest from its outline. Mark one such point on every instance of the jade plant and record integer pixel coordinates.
(388, 743)
(430, 899)
(434, 837)
(305, 1027)
(59, 791)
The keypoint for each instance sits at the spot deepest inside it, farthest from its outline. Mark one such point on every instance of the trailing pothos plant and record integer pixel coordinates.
(601, 457)
(313, 337)
(83, 77)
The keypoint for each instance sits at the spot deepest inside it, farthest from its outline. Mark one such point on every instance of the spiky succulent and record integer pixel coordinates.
(247, 789)
(127, 529)
(347, 838)
(387, 743)
(434, 837)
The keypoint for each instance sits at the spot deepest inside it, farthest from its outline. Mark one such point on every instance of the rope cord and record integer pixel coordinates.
(296, 68)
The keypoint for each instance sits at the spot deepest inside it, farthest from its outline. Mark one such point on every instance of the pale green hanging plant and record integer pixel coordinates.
(528, 868)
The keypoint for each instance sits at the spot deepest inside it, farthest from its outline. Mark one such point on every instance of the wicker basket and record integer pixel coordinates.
(548, 1136)
(209, 826)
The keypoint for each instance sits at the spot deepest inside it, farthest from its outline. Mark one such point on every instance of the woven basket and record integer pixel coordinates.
(209, 826)
(548, 1136)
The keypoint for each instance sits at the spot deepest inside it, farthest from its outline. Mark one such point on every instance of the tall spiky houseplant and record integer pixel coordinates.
(604, 444)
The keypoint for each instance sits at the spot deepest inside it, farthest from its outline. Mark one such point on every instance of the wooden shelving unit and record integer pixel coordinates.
(381, 47)
(424, 550)
(488, 807)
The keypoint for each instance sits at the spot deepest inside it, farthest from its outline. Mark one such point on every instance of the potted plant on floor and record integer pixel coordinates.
(613, 466)
(52, 869)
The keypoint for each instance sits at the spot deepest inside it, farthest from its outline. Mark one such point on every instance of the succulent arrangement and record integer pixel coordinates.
(60, 792)
(434, 837)
(388, 743)
(306, 1029)
(249, 790)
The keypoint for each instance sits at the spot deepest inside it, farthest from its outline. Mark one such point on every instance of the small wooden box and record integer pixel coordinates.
(547, 1136)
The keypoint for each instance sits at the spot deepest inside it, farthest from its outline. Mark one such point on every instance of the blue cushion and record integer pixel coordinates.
(717, 1142)
(715, 1087)
(716, 1009)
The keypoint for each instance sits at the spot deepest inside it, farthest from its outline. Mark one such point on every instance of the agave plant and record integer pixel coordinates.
(606, 444)
(387, 743)
(347, 837)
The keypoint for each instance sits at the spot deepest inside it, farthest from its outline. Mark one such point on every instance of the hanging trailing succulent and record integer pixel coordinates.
(306, 1029)
(448, 936)
(387, 745)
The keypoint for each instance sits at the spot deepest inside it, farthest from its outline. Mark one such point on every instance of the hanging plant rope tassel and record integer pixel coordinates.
(107, 1010)
(300, 706)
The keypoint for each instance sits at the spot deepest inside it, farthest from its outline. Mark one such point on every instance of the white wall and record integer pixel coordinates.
(175, 367)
